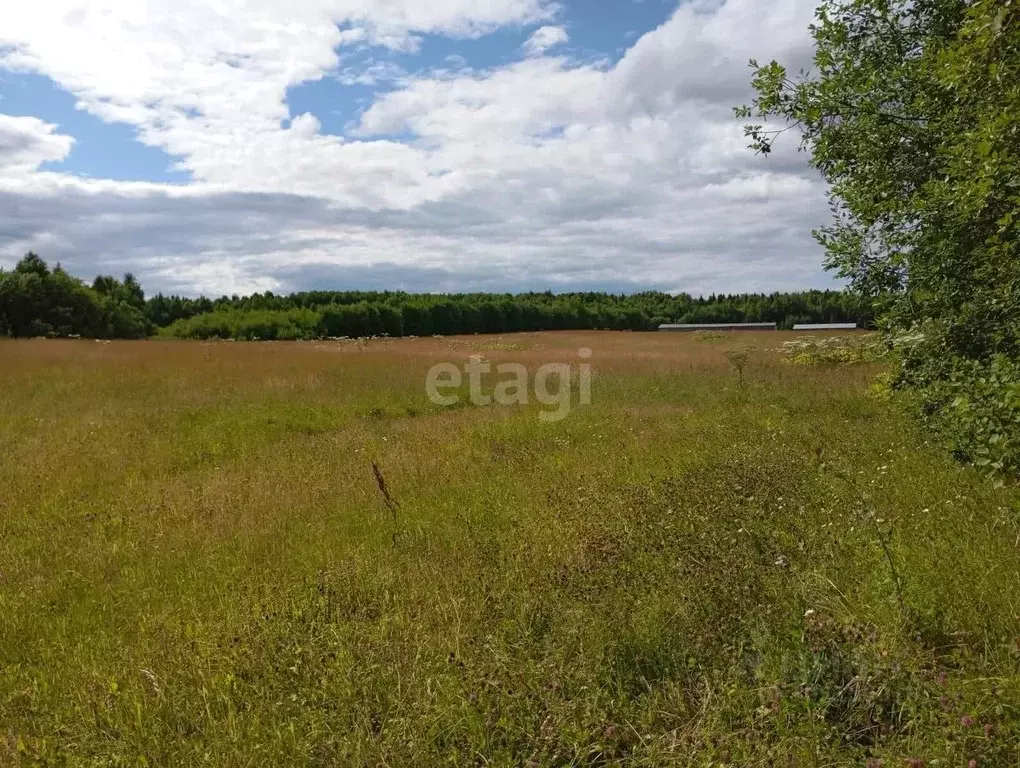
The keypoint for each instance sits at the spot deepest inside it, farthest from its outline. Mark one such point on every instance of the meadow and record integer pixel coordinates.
(248, 554)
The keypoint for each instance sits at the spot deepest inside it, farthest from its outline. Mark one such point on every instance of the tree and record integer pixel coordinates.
(38, 301)
(912, 115)
(132, 293)
(32, 264)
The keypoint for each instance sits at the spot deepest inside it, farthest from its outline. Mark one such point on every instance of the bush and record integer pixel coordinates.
(833, 350)
(975, 406)
(268, 325)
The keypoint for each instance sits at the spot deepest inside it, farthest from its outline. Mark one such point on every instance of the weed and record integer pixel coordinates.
(738, 358)
(284, 554)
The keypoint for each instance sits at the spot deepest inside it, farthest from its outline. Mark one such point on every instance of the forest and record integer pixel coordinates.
(39, 301)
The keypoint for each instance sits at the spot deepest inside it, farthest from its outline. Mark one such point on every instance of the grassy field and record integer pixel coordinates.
(198, 564)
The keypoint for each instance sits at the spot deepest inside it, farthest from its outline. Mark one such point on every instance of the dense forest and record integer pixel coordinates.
(38, 301)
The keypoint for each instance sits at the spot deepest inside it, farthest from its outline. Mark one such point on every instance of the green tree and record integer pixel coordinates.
(912, 115)
(32, 264)
(37, 301)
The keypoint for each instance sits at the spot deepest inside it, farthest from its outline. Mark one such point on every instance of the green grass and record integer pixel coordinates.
(197, 565)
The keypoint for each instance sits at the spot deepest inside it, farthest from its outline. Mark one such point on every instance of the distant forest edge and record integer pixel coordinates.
(36, 300)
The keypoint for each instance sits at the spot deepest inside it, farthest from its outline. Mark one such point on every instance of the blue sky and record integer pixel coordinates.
(496, 144)
(101, 149)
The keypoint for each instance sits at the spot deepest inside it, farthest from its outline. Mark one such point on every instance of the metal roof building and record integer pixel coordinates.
(826, 327)
(719, 327)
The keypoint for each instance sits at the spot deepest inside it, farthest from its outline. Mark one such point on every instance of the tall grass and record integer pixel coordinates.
(284, 554)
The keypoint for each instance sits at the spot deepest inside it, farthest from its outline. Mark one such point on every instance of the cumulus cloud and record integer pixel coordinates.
(544, 38)
(27, 142)
(702, 55)
(545, 172)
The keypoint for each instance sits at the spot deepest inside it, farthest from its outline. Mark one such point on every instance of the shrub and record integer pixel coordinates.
(833, 350)
(258, 324)
(976, 408)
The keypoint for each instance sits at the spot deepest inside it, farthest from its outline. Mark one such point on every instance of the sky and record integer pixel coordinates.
(232, 146)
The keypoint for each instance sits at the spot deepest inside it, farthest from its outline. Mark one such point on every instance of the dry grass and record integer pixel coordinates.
(197, 565)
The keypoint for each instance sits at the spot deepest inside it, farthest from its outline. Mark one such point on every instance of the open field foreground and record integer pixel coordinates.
(199, 566)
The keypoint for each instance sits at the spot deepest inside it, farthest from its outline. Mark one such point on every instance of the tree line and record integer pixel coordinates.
(36, 300)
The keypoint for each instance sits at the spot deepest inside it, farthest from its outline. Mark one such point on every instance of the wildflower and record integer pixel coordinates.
(966, 721)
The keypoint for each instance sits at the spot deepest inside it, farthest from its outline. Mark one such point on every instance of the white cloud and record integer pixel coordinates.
(544, 38)
(702, 55)
(542, 172)
(27, 142)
